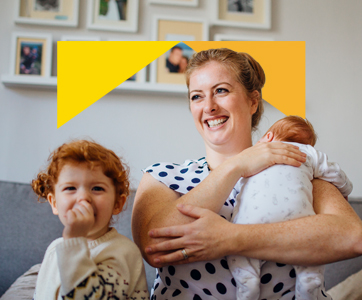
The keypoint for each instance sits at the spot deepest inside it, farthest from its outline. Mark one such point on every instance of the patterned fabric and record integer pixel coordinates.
(210, 279)
(109, 267)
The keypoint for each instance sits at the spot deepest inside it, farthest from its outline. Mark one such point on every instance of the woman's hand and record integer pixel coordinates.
(207, 238)
(263, 155)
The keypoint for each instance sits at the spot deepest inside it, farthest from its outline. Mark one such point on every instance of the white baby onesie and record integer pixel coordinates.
(277, 194)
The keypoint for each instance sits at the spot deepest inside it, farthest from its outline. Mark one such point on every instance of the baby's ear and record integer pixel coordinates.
(118, 205)
(269, 136)
(53, 204)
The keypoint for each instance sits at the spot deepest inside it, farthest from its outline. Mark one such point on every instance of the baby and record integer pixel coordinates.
(282, 193)
(86, 184)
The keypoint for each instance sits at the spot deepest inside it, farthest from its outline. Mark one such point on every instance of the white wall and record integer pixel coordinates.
(145, 129)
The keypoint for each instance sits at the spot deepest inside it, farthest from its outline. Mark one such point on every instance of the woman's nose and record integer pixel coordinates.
(210, 105)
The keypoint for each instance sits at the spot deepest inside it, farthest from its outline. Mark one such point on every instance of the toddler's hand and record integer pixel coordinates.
(79, 220)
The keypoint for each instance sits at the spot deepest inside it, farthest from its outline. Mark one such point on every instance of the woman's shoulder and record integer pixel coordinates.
(180, 177)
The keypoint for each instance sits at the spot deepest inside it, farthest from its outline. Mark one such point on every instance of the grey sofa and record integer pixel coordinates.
(28, 227)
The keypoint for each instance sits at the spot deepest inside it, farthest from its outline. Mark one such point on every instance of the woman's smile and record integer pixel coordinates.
(216, 122)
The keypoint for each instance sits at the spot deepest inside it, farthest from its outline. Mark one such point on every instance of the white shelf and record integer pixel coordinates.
(38, 82)
(29, 81)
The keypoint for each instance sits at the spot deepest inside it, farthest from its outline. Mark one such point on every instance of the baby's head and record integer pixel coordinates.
(291, 129)
(91, 158)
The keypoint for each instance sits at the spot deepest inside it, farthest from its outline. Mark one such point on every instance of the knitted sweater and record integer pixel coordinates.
(109, 267)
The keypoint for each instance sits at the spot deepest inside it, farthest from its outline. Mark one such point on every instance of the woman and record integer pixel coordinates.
(226, 104)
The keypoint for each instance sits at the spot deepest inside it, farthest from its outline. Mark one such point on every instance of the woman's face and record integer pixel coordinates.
(220, 107)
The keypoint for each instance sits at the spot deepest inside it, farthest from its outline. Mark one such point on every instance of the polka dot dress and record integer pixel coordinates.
(210, 279)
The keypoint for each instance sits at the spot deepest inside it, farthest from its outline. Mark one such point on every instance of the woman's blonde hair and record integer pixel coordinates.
(246, 69)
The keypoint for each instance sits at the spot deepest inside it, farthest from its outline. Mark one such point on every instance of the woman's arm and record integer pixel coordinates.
(335, 233)
(155, 204)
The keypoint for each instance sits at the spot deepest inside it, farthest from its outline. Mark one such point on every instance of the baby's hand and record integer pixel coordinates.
(79, 220)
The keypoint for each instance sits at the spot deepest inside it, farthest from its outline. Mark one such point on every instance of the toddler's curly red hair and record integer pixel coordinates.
(82, 151)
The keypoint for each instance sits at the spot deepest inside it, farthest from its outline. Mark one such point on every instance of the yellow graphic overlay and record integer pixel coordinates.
(88, 70)
(284, 67)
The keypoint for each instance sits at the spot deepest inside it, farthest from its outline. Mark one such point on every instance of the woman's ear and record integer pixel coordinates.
(53, 204)
(254, 98)
(119, 203)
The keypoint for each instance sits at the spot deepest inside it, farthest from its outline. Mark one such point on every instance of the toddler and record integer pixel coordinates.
(282, 193)
(86, 184)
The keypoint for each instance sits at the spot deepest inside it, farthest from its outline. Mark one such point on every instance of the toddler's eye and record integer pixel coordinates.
(70, 188)
(98, 188)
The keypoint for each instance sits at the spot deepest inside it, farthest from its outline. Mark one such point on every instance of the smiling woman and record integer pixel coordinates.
(176, 217)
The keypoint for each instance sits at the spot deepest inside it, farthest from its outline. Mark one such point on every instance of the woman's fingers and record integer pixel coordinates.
(192, 211)
(178, 230)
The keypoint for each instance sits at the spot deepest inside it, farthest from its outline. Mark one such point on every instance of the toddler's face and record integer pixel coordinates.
(77, 183)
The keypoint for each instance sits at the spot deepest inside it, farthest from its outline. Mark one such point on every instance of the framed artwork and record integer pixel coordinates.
(79, 38)
(47, 12)
(243, 13)
(170, 67)
(176, 2)
(31, 54)
(226, 37)
(113, 15)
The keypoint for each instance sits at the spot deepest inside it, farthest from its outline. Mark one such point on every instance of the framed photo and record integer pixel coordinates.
(243, 13)
(170, 67)
(176, 2)
(113, 15)
(31, 54)
(47, 12)
(226, 37)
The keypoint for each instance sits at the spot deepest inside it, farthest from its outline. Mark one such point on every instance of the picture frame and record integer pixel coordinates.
(168, 68)
(114, 15)
(79, 38)
(31, 54)
(193, 3)
(227, 37)
(46, 12)
(243, 13)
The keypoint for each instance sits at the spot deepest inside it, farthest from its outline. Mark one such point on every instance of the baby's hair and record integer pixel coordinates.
(82, 151)
(294, 129)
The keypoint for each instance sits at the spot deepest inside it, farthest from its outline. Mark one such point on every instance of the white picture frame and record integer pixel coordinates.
(112, 20)
(66, 14)
(79, 38)
(192, 3)
(227, 37)
(31, 54)
(257, 15)
(172, 28)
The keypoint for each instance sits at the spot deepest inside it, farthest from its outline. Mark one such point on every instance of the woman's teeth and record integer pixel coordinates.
(213, 123)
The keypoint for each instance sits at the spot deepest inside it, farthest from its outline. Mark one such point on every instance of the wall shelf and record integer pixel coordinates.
(50, 83)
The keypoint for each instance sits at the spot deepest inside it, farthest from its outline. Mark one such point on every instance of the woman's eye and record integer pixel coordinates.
(221, 90)
(195, 97)
(98, 188)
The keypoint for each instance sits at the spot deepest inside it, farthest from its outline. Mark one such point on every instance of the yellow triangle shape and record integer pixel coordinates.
(88, 70)
(284, 65)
